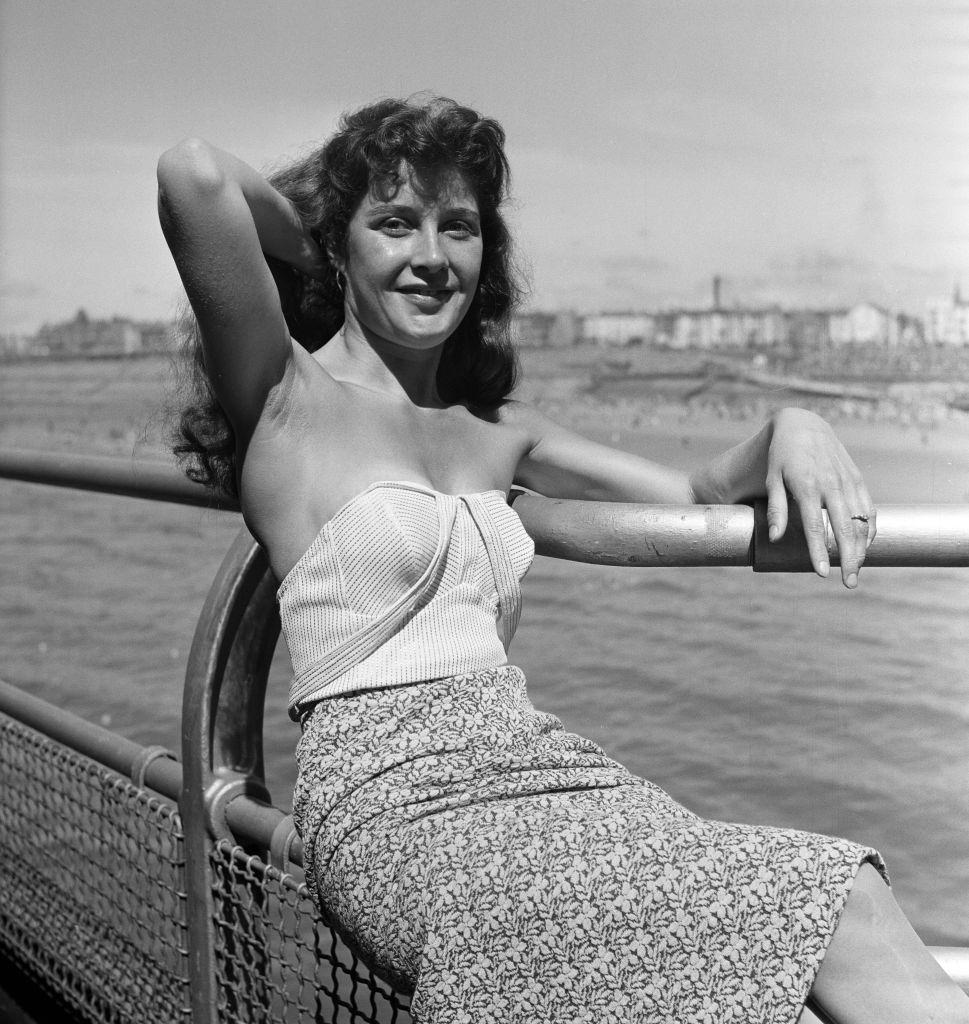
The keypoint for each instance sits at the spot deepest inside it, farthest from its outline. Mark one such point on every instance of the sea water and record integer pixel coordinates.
(777, 699)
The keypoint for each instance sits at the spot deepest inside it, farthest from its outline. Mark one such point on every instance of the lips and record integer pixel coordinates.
(427, 299)
(433, 293)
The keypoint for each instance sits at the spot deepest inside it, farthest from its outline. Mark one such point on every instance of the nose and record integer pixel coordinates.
(429, 254)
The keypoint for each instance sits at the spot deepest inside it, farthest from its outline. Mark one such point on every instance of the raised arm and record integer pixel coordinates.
(220, 217)
(795, 453)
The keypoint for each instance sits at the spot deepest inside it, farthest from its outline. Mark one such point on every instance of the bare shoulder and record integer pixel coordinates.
(522, 416)
(539, 432)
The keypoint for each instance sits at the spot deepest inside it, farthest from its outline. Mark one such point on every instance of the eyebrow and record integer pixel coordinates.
(452, 211)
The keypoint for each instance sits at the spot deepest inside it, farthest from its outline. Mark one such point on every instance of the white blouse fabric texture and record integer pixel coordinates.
(402, 585)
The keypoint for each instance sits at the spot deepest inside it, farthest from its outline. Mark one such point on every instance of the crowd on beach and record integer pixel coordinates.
(606, 391)
(642, 388)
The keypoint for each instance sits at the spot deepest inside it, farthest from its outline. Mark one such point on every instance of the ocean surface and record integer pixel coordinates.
(763, 698)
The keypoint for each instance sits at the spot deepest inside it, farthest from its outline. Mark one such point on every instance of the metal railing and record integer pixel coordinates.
(608, 533)
(244, 941)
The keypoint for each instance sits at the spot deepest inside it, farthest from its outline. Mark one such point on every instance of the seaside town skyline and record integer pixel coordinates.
(720, 325)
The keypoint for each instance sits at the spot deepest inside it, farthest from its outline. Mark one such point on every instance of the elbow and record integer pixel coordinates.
(191, 167)
(704, 489)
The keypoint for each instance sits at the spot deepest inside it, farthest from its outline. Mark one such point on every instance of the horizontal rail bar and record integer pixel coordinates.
(251, 822)
(163, 774)
(132, 478)
(908, 536)
(618, 533)
(607, 533)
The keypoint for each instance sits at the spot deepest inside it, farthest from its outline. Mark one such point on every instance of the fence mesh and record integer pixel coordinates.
(93, 906)
(278, 962)
(91, 883)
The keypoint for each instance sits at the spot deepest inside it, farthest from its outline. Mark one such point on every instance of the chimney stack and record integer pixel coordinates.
(716, 292)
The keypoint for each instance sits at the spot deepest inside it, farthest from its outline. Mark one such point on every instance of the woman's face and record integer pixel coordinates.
(413, 258)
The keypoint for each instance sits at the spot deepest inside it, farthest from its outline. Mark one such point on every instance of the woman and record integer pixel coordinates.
(474, 853)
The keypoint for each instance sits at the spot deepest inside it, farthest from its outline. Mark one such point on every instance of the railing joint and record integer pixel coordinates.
(281, 843)
(224, 788)
(144, 759)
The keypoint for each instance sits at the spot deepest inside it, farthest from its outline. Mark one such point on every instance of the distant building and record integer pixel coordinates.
(911, 330)
(722, 327)
(864, 323)
(546, 330)
(84, 336)
(618, 328)
(728, 328)
(14, 345)
(947, 320)
(740, 328)
(807, 328)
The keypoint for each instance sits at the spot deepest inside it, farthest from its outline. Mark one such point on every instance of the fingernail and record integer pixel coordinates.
(852, 580)
(772, 533)
(824, 569)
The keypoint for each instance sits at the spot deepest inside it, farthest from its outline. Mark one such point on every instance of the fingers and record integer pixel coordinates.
(815, 530)
(776, 508)
(850, 529)
(870, 512)
(812, 520)
(850, 523)
(806, 457)
(856, 526)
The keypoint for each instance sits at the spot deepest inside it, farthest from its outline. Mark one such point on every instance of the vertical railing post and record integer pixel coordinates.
(222, 716)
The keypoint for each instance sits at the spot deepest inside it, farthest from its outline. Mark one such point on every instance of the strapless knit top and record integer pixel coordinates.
(403, 584)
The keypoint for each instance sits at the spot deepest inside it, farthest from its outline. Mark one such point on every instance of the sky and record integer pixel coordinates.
(812, 154)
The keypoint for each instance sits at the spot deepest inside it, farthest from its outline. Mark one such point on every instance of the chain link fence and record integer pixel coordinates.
(93, 906)
(91, 883)
(276, 961)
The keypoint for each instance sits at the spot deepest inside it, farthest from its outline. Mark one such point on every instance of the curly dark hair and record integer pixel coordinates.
(478, 364)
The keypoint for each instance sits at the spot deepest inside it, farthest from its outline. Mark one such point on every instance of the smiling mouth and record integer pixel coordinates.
(429, 293)
(428, 300)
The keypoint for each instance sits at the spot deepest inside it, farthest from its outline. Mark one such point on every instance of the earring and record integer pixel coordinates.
(341, 281)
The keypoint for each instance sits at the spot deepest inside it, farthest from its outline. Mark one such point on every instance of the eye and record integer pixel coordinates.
(396, 227)
(461, 229)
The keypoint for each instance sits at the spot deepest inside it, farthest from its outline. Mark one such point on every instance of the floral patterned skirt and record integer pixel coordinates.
(500, 869)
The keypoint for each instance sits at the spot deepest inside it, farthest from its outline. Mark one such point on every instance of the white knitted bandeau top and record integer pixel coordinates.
(403, 584)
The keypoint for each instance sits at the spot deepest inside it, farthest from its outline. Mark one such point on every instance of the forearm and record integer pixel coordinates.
(560, 463)
(198, 179)
(619, 476)
(794, 453)
(739, 474)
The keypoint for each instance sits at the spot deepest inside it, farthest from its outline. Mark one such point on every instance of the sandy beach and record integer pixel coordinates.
(650, 402)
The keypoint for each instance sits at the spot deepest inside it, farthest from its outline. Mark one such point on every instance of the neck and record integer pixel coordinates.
(358, 356)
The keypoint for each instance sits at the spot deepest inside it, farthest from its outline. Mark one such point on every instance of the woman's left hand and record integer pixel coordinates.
(806, 460)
